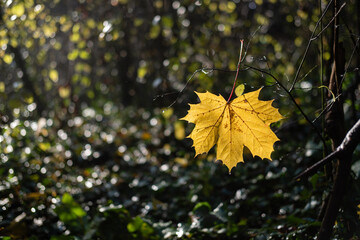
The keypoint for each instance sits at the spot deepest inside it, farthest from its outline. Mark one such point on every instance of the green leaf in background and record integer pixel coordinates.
(69, 210)
(44, 146)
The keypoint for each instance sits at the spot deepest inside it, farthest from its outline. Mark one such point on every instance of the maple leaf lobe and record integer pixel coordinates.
(245, 121)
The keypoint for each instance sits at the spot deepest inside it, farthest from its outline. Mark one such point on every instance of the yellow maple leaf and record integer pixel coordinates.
(244, 121)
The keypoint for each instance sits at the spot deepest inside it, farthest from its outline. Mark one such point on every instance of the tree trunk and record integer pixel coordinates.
(335, 129)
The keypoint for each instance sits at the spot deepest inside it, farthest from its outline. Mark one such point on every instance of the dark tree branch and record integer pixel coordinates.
(348, 145)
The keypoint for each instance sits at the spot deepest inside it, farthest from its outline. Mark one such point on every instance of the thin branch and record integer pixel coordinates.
(307, 74)
(327, 108)
(269, 74)
(249, 42)
(309, 43)
(348, 145)
(188, 81)
(293, 100)
(329, 23)
(352, 55)
(352, 36)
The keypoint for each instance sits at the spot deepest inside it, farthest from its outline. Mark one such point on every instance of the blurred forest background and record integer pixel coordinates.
(91, 93)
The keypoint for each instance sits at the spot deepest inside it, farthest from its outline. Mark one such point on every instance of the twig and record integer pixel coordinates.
(249, 41)
(326, 108)
(293, 100)
(351, 57)
(329, 23)
(187, 82)
(311, 40)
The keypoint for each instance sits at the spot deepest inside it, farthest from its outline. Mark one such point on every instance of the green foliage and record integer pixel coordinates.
(70, 212)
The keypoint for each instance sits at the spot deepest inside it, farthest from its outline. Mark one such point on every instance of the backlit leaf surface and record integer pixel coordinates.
(244, 121)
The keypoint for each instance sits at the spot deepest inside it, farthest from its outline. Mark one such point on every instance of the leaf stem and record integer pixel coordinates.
(237, 70)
